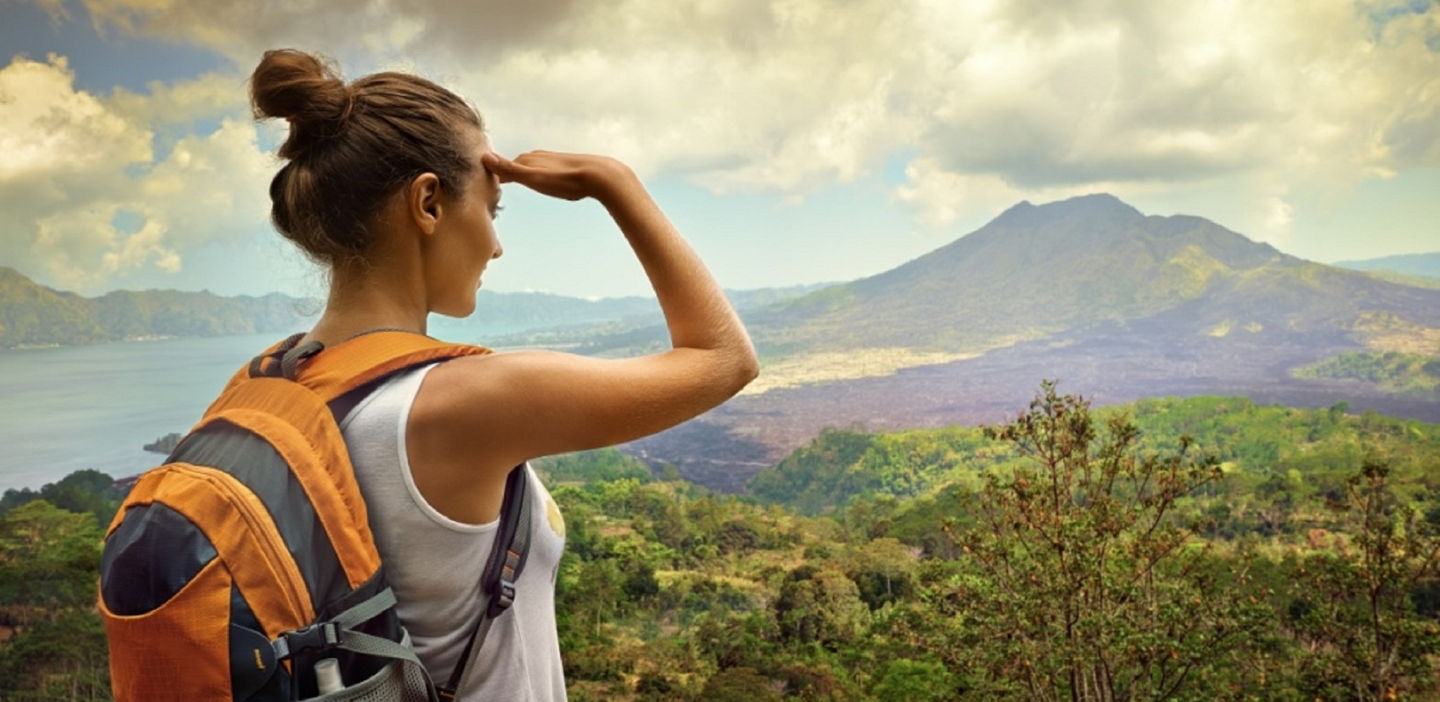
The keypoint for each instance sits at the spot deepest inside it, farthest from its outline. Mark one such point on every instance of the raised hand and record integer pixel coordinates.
(562, 175)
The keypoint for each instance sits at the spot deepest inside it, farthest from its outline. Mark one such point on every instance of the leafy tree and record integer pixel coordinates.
(1354, 607)
(820, 605)
(49, 559)
(1090, 588)
(62, 658)
(905, 680)
(49, 564)
(596, 465)
(740, 685)
(883, 571)
(81, 491)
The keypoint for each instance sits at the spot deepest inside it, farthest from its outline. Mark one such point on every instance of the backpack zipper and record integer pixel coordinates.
(266, 534)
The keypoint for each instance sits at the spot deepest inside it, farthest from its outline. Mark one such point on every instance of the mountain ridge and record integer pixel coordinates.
(1422, 265)
(32, 314)
(1117, 304)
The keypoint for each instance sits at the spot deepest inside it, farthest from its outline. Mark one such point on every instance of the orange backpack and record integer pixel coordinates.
(231, 570)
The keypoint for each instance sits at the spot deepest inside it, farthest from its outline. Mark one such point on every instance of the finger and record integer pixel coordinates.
(539, 177)
(503, 168)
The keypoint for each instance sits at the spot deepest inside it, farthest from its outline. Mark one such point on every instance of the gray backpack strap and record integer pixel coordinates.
(497, 583)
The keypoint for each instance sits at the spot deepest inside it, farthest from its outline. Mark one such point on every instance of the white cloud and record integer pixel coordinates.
(795, 94)
(82, 246)
(990, 102)
(941, 197)
(183, 103)
(48, 129)
(84, 194)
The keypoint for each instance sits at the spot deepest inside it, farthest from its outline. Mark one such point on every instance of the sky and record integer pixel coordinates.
(791, 141)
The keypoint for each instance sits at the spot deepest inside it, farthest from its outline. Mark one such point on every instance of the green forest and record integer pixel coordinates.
(1178, 549)
(1392, 371)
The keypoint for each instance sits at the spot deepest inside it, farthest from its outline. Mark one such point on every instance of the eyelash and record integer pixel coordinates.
(495, 211)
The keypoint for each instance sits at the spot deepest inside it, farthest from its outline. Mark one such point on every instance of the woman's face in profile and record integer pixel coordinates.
(465, 240)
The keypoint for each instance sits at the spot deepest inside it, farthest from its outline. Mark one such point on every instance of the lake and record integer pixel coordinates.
(64, 409)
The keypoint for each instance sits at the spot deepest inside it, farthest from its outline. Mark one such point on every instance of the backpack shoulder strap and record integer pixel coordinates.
(497, 583)
(333, 371)
(356, 362)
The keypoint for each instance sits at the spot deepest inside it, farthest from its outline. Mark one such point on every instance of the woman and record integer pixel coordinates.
(391, 184)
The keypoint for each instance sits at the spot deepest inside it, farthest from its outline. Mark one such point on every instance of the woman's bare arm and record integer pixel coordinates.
(504, 408)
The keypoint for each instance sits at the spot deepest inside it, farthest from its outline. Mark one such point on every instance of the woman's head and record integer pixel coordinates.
(353, 148)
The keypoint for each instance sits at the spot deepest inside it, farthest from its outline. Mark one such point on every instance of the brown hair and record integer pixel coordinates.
(351, 145)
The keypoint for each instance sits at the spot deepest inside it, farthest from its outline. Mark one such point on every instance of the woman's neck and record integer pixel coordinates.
(376, 299)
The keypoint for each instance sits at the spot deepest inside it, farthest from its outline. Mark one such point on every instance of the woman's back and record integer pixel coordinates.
(434, 563)
(392, 185)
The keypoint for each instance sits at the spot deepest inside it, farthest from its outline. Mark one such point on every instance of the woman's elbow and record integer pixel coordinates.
(747, 366)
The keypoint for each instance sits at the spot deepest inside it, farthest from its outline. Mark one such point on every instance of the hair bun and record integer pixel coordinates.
(302, 89)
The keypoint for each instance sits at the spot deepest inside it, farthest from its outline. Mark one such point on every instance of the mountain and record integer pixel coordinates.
(1116, 304)
(526, 318)
(1425, 265)
(1036, 271)
(34, 315)
(1055, 271)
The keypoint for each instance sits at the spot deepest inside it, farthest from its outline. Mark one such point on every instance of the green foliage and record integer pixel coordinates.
(49, 564)
(1393, 371)
(1090, 588)
(905, 680)
(820, 605)
(599, 465)
(741, 685)
(1355, 608)
(82, 491)
(1207, 548)
(48, 560)
(841, 465)
(31, 314)
(1252, 442)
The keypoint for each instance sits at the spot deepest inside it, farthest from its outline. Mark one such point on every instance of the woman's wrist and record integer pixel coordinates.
(614, 183)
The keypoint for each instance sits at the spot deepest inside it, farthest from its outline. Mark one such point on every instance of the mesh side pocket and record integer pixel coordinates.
(398, 681)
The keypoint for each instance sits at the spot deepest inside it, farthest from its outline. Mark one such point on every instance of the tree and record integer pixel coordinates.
(740, 685)
(49, 560)
(820, 605)
(49, 564)
(883, 570)
(1089, 587)
(1354, 608)
(914, 681)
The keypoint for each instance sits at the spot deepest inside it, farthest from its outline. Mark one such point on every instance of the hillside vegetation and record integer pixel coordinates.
(1254, 443)
(1200, 549)
(1394, 371)
(34, 315)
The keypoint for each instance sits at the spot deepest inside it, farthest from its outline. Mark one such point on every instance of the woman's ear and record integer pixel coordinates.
(423, 202)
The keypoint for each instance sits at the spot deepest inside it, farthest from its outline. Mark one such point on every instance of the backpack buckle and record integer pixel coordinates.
(316, 636)
(507, 594)
(505, 591)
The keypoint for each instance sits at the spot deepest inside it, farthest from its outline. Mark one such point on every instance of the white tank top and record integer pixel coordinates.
(434, 562)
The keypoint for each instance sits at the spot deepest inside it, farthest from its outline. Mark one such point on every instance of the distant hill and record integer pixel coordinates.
(1031, 272)
(34, 315)
(1065, 270)
(1424, 265)
(1115, 304)
(526, 318)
